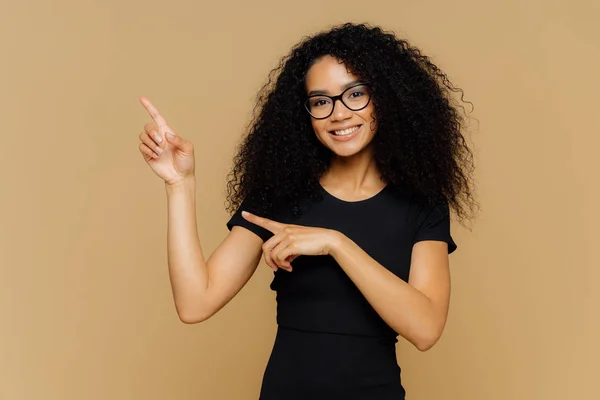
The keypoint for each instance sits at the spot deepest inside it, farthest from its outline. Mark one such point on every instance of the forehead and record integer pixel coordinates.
(328, 74)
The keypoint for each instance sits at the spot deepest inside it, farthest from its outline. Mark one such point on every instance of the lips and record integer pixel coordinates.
(342, 131)
(347, 137)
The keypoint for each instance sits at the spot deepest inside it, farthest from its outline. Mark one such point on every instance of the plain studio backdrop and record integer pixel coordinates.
(86, 306)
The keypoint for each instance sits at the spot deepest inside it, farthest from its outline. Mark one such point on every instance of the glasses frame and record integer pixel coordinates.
(339, 97)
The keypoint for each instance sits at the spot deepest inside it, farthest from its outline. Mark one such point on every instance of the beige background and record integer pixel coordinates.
(86, 308)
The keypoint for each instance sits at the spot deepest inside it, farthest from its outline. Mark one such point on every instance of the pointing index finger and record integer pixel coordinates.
(153, 111)
(266, 223)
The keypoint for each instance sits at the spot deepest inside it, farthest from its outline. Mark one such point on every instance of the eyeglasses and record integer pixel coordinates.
(355, 98)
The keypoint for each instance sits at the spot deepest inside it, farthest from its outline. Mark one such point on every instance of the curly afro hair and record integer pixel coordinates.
(418, 148)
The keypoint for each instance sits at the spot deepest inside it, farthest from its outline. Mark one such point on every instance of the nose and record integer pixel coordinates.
(340, 111)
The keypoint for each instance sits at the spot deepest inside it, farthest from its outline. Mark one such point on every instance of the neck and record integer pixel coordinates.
(354, 173)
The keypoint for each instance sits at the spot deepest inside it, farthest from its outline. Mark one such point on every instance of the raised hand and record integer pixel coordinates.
(290, 241)
(169, 156)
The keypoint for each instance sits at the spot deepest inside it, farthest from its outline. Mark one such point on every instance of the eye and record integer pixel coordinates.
(357, 93)
(319, 102)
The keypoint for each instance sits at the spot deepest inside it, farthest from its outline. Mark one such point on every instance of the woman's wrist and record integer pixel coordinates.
(183, 185)
(336, 241)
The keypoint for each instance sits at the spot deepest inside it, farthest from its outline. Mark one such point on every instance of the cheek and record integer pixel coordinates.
(318, 126)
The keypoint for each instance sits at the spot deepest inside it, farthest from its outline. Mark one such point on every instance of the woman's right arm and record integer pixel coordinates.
(202, 287)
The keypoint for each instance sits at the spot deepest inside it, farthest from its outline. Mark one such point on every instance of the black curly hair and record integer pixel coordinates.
(419, 147)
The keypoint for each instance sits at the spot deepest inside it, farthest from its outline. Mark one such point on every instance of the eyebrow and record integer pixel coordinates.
(346, 86)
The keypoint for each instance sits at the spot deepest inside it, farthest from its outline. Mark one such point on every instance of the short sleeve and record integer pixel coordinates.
(237, 219)
(433, 223)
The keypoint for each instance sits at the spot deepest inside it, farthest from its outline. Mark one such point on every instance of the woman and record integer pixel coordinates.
(346, 178)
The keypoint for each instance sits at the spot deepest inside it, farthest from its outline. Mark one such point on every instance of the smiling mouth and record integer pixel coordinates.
(346, 131)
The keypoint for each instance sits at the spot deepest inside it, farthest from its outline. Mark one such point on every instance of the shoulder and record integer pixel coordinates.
(429, 218)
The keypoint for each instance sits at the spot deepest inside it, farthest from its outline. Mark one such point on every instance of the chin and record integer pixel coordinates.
(347, 150)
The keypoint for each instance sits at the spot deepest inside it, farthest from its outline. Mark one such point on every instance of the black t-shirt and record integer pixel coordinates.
(318, 295)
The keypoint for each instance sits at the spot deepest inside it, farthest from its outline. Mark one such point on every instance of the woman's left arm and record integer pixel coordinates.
(416, 310)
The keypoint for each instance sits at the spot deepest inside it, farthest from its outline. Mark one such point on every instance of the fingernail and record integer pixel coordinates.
(159, 150)
(245, 213)
(170, 135)
(157, 139)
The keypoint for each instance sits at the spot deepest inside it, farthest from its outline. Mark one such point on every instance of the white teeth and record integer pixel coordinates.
(346, 131)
